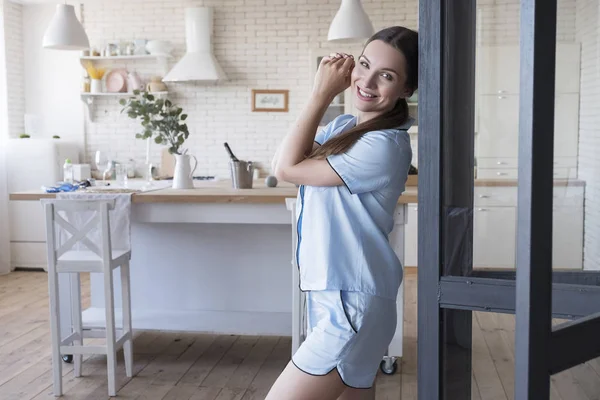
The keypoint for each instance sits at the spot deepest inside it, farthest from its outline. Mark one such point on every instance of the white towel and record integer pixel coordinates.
(119, 220)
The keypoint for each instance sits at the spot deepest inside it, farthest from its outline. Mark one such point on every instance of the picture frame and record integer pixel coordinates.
(270, 100)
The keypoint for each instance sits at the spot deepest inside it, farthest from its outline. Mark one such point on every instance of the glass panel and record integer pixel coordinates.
(493, 360)
(576, 203)
(493, 356)
(580, 382)
(496, 135)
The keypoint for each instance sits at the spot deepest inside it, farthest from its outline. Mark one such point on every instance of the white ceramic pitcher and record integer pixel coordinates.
(182, 176)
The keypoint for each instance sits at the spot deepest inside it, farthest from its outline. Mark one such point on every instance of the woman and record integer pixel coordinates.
(351, 175)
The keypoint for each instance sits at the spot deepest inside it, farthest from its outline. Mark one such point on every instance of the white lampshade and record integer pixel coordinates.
(351, 23)
(65, 31)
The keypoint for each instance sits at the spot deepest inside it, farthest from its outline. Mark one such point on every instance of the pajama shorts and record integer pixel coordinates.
(348, 331)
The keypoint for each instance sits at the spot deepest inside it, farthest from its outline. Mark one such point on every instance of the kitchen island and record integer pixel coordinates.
(215, 259)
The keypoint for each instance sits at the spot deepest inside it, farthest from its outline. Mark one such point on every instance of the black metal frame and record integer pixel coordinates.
(448, 289)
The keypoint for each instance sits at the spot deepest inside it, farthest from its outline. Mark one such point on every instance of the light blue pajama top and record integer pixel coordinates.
(343, 230)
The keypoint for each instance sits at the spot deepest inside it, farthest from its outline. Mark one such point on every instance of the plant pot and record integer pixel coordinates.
(96, 86)
(182, 176)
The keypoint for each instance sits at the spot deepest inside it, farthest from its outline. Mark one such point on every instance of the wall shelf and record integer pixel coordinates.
(132, 57)
(90, 98)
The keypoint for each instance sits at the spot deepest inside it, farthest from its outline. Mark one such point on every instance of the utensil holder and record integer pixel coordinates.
(241, 174)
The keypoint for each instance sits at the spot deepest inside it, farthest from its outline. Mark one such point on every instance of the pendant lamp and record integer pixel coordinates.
(65, 32)
(351, 23)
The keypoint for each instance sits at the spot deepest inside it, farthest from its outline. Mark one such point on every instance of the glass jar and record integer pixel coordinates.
(85, 88)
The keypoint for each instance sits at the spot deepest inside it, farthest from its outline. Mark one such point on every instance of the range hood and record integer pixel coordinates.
(199, 62)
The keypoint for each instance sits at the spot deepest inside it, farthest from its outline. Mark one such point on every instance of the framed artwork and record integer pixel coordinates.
(270, 100)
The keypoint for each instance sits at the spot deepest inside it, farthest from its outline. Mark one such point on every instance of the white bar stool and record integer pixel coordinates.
(65, 259)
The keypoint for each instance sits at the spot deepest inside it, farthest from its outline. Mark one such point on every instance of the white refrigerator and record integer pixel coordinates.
(33, 163)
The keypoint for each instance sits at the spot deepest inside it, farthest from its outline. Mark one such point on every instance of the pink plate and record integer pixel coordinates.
(116, 81)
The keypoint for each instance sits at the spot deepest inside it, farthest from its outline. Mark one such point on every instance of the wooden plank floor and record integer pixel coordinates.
(189, 366)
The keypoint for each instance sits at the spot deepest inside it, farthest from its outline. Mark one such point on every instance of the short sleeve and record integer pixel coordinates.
(373, 162)
(331, 128)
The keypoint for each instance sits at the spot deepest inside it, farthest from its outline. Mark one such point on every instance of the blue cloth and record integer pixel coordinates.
(343, 230)
(64, 187)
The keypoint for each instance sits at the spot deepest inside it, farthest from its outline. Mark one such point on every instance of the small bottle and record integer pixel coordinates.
(87, 83)
(68, 171)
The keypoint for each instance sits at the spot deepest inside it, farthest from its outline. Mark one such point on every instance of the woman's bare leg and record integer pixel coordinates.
(294, 384)
(358, 394)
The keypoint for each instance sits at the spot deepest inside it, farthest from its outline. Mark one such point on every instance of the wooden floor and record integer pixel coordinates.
(210, 367)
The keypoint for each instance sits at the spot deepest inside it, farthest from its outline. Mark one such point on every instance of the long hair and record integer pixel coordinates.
(406, 41)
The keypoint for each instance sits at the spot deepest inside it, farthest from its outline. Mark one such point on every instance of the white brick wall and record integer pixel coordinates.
(13, 30)
(588, 33)
(260, 44)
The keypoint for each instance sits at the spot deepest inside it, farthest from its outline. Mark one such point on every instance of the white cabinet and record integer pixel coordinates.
(566, 124)
(411, 240)
(498, 126)
(568, 67)
(495, 228)
(494, 232)
(567, 237)
(497, 107)
(497, 69)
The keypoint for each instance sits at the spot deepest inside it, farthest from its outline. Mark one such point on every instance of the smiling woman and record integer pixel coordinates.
(350, 175)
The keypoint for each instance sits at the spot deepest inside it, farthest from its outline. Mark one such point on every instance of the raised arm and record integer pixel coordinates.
(290, 163)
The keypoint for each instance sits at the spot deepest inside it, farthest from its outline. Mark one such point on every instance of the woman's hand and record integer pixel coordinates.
(333, 75)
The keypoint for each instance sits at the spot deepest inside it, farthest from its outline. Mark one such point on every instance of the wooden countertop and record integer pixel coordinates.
(222, 192)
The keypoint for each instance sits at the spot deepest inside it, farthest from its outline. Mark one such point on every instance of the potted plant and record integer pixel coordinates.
(166, 123)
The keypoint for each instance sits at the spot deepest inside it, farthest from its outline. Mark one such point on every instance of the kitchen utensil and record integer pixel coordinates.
(241, 174)
(182, 178)
(81, 172)
(121, 174)
(231, 155)
(96, 86)
(111, 49)
(134, 82)
(116, 81)
(104, 164)
(159, 47)
(167, 163)
(140, 47)
(131, 168)
(156, 85)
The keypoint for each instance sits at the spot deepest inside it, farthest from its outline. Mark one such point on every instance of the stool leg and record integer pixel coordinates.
(55, 330)
(126, 294)
(111, 356)
(77, 326)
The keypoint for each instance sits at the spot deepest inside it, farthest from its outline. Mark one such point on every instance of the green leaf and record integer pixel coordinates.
(150, 97)
(158, 140)
(138, 136)
(122, 102)
(136, 92)
(168, 103)
(183, 117)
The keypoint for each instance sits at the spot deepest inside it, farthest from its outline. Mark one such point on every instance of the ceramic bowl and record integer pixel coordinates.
(158, 47)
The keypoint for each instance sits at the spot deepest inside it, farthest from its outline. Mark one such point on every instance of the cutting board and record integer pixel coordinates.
(167, 163)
